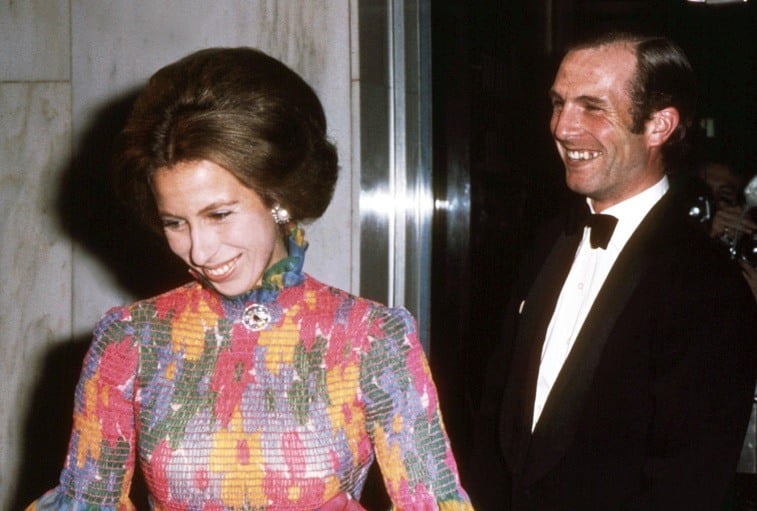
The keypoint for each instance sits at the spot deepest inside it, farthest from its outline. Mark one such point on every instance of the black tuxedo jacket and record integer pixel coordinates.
(650, 408)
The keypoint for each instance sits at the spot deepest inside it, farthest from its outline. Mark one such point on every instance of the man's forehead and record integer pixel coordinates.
(596, 69)
(620, 55)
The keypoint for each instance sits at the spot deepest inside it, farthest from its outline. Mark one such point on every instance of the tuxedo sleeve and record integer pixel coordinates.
(488, 478)
(702, 387)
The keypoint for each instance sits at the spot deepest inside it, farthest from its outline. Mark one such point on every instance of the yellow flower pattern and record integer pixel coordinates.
(281, 342)
(88, 421)
(242, 485)
(189, 328)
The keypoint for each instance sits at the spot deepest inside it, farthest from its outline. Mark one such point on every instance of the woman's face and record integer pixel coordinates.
(219, 227)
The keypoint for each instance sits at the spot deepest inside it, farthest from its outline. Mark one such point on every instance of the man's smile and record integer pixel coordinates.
(574, 155)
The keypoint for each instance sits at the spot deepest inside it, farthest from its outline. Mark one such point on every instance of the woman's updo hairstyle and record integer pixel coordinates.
(240, 109)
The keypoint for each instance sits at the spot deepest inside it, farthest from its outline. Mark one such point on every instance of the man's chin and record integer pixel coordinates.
(578, 186)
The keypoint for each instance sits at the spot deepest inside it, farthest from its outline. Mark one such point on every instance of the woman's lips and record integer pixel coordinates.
(220, 273)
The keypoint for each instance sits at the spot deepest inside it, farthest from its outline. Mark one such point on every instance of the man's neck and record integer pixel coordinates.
(600, 205)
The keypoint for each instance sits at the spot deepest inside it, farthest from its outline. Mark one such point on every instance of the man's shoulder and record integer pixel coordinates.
(684, 252)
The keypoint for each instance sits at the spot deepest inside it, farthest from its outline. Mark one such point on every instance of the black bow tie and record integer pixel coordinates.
(601, 228)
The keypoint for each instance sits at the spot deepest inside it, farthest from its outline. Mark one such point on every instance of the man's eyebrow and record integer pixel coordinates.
(592, 100)
(585, 99)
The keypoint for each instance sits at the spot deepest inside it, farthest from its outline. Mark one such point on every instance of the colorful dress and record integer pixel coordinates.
(276, 399)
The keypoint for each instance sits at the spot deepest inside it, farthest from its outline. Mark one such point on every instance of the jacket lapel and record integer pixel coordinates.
(558, 422)
(517, 409)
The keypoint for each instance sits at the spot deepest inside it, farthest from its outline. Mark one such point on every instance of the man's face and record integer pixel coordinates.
(591, 124)
(723, 182)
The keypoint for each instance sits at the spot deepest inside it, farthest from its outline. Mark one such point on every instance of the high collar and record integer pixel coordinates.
(629, 212)
(283, 274)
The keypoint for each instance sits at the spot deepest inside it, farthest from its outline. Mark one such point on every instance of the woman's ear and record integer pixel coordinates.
(661, 126)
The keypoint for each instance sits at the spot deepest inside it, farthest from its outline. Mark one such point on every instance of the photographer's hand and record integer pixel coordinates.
(727, 220)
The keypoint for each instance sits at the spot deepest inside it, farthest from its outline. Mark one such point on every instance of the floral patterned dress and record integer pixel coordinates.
(277, 399)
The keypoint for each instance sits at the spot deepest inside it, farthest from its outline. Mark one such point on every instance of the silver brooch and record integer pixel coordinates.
(256, 317)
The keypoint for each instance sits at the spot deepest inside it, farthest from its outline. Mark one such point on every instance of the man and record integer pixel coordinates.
(730, 224)
(631, 366)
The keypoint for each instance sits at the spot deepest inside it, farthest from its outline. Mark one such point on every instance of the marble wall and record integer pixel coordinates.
(68, 69)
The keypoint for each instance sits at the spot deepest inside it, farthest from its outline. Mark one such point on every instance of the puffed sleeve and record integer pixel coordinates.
(100, 460)
(404, 420)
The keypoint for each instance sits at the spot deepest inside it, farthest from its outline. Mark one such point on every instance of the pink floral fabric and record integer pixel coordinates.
(224, 417)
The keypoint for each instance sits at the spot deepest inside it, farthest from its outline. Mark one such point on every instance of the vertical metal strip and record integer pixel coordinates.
(398, 152)
(425, 196)
(396, 198)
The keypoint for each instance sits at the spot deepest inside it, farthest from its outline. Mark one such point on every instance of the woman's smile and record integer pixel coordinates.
(220, 273)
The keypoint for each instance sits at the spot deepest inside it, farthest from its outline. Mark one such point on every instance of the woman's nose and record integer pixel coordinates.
(204, 245)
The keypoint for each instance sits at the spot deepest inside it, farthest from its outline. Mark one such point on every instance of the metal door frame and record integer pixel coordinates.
(395, 191)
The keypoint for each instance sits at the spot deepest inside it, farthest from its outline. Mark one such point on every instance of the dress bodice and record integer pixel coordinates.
(277, 399)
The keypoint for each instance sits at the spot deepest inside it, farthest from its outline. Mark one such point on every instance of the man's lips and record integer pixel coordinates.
(584, 155)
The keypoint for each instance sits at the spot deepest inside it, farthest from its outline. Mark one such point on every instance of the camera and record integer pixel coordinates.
(745, 249)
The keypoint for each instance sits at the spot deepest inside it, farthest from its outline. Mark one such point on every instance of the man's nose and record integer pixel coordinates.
(565, 122)
(204, 245)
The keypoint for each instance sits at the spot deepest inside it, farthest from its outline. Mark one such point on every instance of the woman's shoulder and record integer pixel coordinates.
(370, 306)
(375, 317)
(147, 308)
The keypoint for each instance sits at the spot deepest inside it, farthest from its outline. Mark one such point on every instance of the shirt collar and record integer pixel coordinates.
(632, 211)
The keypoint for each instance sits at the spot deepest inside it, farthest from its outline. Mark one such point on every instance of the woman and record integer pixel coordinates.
(255, 386)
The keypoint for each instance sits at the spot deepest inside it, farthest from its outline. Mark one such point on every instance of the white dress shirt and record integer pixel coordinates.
(586, 277)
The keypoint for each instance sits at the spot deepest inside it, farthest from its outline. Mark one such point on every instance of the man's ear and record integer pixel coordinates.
(661, 126)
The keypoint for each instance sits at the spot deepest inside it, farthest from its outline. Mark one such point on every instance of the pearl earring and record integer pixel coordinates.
(280, 215)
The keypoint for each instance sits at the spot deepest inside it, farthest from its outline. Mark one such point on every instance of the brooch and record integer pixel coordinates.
(256, 317)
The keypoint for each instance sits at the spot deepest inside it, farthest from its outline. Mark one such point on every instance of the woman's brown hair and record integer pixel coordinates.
(240, 109)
